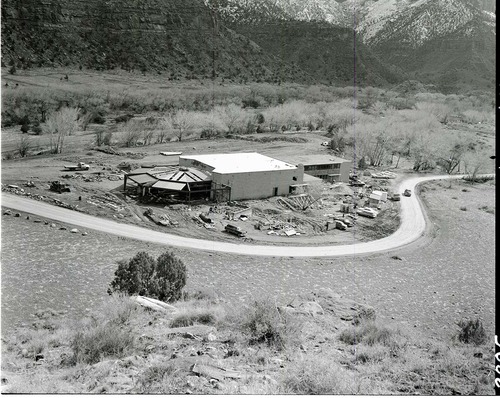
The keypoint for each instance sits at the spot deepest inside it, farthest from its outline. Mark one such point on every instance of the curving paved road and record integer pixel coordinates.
(412, 227)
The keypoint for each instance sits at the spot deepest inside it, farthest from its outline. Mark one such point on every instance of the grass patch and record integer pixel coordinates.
(106, 333)
(195, 316)
(319, 375)
(158, 379)
(371, 334)
(100, 341)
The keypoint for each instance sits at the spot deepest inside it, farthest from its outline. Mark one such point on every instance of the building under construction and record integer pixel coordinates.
(175, 183)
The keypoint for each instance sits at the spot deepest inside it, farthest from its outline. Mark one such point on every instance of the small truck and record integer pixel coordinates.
(79, 167)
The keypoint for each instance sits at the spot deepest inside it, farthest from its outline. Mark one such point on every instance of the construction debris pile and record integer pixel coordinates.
(159, 218)
(106, 200)
(16, 190)
(94, 177)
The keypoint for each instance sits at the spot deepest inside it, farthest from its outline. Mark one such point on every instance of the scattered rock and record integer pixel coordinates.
(154, 304)
(37, 221)
(17, 215)
(24, 352)
(53, 225)
(7, 213)
(74, 231)
(27, 217)
(63, 228)
(39, 357)
(211, 337)
(84, 233)
(269, 379)
(214, 372)
(478, 355)
(396, 258)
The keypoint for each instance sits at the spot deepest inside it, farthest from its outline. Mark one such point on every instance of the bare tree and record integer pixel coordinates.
(23, 147)
(232, 116)
(452, 153)
(60, 124)
(132, 133)
(164, 128)
(475, 162)
(182, 121)
(99, 137)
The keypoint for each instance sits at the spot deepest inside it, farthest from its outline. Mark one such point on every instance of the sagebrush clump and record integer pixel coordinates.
(471, 332)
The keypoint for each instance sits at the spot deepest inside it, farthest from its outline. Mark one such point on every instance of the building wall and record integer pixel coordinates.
(325, 170)
(259, 185)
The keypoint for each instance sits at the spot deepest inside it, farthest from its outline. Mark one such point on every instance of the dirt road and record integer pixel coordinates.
(412, 227)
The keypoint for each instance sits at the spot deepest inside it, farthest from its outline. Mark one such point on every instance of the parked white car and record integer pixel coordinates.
(367, 212)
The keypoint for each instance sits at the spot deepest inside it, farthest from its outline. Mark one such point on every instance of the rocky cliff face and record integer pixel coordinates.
(182, 38)
(450, 43)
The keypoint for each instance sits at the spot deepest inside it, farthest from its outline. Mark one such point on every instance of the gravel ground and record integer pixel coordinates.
(436, 282)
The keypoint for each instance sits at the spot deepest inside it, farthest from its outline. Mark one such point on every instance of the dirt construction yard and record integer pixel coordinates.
(99, 191)
(449, 276)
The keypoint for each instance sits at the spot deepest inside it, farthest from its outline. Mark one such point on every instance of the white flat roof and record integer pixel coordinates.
(240, 162)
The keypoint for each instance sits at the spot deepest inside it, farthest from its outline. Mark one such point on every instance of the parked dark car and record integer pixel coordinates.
(232, 229)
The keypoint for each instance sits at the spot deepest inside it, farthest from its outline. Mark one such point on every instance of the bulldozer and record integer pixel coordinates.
(59, 187)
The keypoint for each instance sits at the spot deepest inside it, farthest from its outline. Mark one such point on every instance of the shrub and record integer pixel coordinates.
(36, 128)
(98, 119)
(163, 278)
(250, 103)
(25, 128)
(471, 332)
(264, 324)
(479, 179)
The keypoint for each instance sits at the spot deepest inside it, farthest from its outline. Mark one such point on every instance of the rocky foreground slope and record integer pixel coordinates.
(319, 343)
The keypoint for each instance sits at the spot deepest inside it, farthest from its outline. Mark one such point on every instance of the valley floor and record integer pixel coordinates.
(425, 291)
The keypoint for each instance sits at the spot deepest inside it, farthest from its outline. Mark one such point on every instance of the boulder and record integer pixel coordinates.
(195, 332)
(327, 302)
(312, 308)
(299, 306)
(343, 308)
(74, 231)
